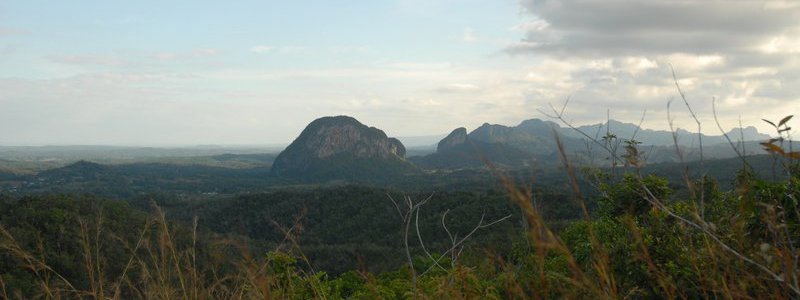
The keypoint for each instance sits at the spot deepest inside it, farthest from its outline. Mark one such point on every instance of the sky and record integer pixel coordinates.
(257, 72)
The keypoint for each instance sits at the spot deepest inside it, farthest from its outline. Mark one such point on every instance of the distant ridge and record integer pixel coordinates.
(664, 137)
(533, 141)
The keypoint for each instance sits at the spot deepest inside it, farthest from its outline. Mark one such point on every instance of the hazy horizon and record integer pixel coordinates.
(416, 141)
(150, 73)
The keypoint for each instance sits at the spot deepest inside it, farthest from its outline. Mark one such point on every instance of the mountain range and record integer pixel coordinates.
(662, 137)
(341, 147)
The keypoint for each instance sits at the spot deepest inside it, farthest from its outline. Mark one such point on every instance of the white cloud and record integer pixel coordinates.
(204, 52)
(787, 43)
(193, 53)
(458, 88)
(469, 35)
(261, 49)
(165, 56)
(409, 65)
(293, 49)
(134, 108)
(102, 60)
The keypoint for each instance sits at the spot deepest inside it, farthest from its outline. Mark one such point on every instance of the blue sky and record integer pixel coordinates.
(313, 34)
(256, 72)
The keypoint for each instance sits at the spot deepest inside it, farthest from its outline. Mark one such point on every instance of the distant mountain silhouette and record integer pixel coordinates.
(533, 142)
(663, 137)
(341, 147)
(459, 150)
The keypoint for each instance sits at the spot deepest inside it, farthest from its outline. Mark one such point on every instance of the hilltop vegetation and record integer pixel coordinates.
(641, 242)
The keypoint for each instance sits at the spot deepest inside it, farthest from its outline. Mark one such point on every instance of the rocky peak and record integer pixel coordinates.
(329, 137)
(455, 138)
(750, 133)
(537, 124)
(490, 133)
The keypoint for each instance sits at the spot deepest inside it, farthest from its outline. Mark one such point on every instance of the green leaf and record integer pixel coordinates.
(770, 123)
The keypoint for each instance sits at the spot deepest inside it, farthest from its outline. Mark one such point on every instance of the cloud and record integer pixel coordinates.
(204, 52)
(614, 27)
(469, 35)
(8, 50)
(128, 108)
(194, 53)
(618, 54)
(261, 49)
(165, 56)
(410, 65)
(403, 98)
(294, 49)
(360, 50)
(291, 49)
(458, 88)
(129, 19)
(100, 60)
(4, 31)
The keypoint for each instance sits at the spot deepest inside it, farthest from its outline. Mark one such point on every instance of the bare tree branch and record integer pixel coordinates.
(699, 138)
(716, 120)
(653, 200)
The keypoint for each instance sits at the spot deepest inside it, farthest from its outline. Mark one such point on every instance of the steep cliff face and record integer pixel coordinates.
(396, 147)
(329, 136)
(455, 138)
(338, 145)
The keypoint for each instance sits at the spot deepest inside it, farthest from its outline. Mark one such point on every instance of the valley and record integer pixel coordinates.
(339, 180)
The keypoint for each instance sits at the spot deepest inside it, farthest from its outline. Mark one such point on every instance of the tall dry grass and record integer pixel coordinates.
(162, 263)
